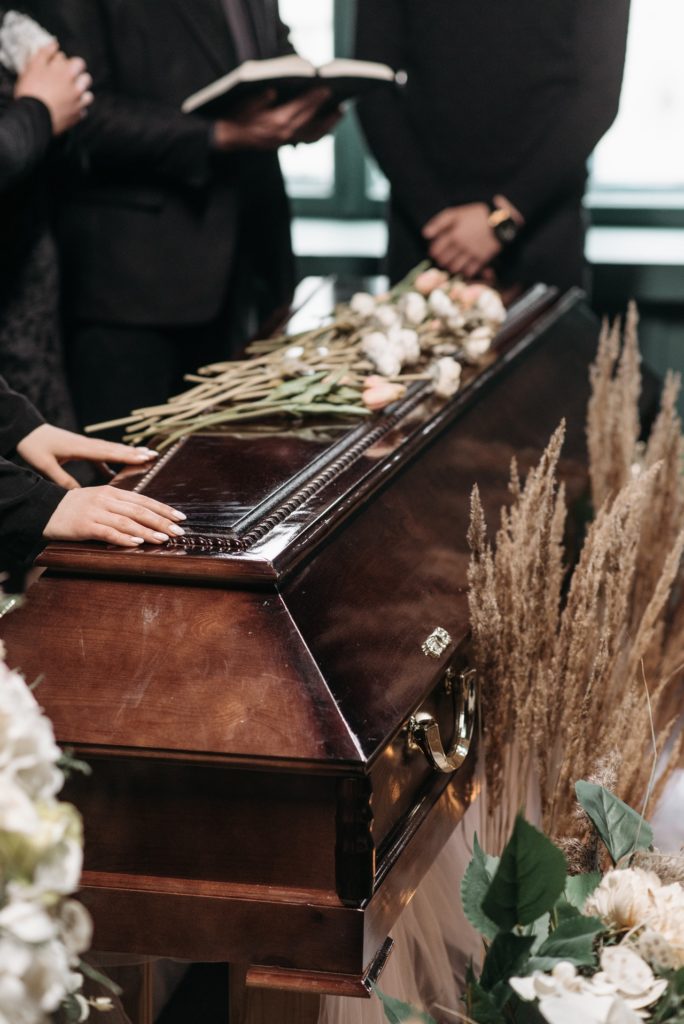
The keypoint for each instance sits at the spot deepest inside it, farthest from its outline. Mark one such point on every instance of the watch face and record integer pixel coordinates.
(506, 231)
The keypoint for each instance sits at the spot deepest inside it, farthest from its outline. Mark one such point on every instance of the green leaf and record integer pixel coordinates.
(539, 930)
(619, 826)
(572, 940)
(528, 881)
(482, 1006)
(474, 885)
(505, 958)
(397, 1012)
(579, 887)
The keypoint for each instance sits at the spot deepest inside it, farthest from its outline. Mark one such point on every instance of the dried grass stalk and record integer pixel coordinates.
(564, 687)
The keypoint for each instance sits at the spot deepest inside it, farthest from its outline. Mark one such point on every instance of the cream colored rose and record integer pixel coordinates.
(446, 374)
(625, 898)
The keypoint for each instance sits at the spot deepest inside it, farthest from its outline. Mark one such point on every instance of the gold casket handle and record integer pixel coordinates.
(424, 729)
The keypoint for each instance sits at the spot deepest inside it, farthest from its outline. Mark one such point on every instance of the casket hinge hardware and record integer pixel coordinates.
(436, 644)
(423, 728)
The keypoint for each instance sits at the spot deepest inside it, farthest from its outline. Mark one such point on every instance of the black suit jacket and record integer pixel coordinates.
(502, 97)
(152, 219)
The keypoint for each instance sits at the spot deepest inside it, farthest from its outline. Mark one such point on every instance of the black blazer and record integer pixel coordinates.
(152, 218)
(27, 501)
(502, 97)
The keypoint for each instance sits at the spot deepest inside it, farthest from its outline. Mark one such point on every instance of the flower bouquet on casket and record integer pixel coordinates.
(604, 946)
(43, 931)
(356, 362)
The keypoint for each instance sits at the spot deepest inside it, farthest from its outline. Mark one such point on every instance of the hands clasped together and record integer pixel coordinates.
(61, 83)
(462, 241)
(107, 514)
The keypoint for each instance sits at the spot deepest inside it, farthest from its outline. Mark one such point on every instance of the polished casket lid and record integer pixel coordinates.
(287, 627)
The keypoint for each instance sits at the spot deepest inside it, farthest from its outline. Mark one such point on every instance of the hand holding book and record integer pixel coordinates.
(257, 124)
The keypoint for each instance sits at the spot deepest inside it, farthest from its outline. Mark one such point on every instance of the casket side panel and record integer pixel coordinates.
(187, 671)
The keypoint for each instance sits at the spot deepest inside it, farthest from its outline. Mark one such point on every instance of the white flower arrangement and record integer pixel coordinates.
(42, 931)
(20, 38)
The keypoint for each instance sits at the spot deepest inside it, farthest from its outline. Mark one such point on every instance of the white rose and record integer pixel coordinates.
(478, 342)
(363, 304)
(490, 306)
(446, 373)
(441, 305)
(414, 308)
(387, 317)
(383, 353)
(409, 343)
(456, 321)
(625, 898)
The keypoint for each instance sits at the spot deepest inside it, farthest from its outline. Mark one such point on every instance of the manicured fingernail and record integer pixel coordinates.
(179, 516)
(146, 453)
(138, 540)
(162, 537)
(177, 530)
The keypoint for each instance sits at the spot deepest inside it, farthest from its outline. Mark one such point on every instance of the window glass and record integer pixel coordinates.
(310, 170)
(645, 147)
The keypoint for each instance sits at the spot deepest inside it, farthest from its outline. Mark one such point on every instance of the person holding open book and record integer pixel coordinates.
(174, 227)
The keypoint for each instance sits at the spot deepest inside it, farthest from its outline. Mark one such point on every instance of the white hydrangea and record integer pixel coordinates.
(42, 933)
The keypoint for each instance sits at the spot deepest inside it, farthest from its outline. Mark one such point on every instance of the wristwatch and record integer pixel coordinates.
(504, 226)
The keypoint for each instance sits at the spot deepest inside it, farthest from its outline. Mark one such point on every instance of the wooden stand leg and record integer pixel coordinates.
(264, 1006)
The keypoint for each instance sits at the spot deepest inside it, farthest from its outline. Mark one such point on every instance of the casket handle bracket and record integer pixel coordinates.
(424, 732)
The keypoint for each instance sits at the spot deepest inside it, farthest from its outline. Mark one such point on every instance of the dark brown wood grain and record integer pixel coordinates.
(245, 699)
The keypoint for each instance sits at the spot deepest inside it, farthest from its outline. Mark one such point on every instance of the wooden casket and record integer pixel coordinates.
(266, 706)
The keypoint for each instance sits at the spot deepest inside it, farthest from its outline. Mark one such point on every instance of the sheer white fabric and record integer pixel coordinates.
(433, 943)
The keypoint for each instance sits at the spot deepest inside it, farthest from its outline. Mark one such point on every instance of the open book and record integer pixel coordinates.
(289, 76)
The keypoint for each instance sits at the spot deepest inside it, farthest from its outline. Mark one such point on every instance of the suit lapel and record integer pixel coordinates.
(202, 31)
(264, 22)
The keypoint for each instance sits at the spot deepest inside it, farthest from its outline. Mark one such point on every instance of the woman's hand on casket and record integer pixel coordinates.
(47, 447)
(113, 516)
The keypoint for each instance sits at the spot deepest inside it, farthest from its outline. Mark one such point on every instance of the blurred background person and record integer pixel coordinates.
(42, 95)
(176, 233)
(486, 147)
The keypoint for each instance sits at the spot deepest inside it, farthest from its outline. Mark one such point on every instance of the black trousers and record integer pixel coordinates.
(114, 369)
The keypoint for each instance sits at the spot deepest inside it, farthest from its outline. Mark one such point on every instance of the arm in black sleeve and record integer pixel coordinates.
(121, 132)
(27, 502)
(18, 418)
(390, 134)
(25, 135)
(560, 160)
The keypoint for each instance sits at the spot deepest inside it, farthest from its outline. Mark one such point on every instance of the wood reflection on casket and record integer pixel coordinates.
(244, 694)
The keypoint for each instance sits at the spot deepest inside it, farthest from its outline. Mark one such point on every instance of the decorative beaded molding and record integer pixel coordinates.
(158, 465)
(322, 479)
(232, 543)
